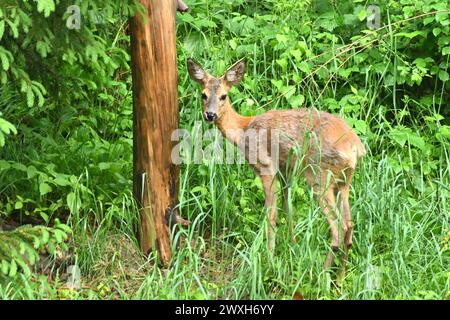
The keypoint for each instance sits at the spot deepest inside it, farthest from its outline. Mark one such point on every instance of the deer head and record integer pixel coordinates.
(215, 90)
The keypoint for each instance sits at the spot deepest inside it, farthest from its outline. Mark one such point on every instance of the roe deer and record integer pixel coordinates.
(330, 151)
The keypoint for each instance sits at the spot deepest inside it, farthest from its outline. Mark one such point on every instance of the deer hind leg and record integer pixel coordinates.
(344, 193)
(270, 190)
(328, 204)
(324, 191)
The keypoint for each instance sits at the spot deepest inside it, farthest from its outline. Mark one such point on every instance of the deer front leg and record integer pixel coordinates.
(270, 190)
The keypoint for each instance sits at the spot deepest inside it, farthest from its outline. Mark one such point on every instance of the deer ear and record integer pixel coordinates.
(195, 71)
(235, 73)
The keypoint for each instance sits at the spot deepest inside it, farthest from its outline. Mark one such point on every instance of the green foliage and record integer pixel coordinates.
(5, 129)
(47, 74)
(20, 248)
(52, 77)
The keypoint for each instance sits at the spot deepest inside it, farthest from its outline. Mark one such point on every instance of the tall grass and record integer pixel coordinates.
(396, 238)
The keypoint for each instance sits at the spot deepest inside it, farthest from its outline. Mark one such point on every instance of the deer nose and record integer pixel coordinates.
(210, 116)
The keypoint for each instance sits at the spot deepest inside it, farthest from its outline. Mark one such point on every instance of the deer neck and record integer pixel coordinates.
(232, 124)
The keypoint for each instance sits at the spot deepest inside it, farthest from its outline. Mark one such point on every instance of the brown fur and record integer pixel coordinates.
(329, 152)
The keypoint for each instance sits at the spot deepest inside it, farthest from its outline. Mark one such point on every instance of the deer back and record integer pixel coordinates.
(317, 137)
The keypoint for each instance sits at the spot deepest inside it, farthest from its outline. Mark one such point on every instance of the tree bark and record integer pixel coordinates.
(155, 117)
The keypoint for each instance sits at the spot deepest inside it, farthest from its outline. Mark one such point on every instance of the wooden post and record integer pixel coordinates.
(155, 117)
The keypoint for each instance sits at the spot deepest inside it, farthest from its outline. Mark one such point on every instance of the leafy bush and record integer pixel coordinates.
(20, 248)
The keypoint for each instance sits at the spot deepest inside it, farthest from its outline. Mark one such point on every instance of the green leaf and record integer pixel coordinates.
(327, 21)
(297, 54)
(409, 11)
(7, 127)
(443, 75)
(416, 78)
(38, 90)
(281, 38)
(297, 101)
(72, 202)
(25, 269)
(445, 131)
(13, 268)
(61, 181)
(232, 44)
(277, 83)
(30, 97)
(446, 51)
(36, 242)
(428, 20)
(64, 227)
(44, 188)
(361, 126)
(18, 205)
(416, 141)
(2, 28)
(46, 6)
(59, 235)
(42, 48)
(14, 29)
(362, 15)
(31, 172)
(44, 216)
(288, 91)
(4, 165)
(5, 267)
(45, 237)
(442, 17)
(304, 67)
(399, 135)
(282, 63)
(5, 61)
(436, 31)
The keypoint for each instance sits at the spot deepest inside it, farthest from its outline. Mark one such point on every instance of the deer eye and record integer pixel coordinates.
(204, 96)
(223, 97)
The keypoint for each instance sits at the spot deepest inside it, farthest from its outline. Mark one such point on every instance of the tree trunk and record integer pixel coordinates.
(155, 117)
